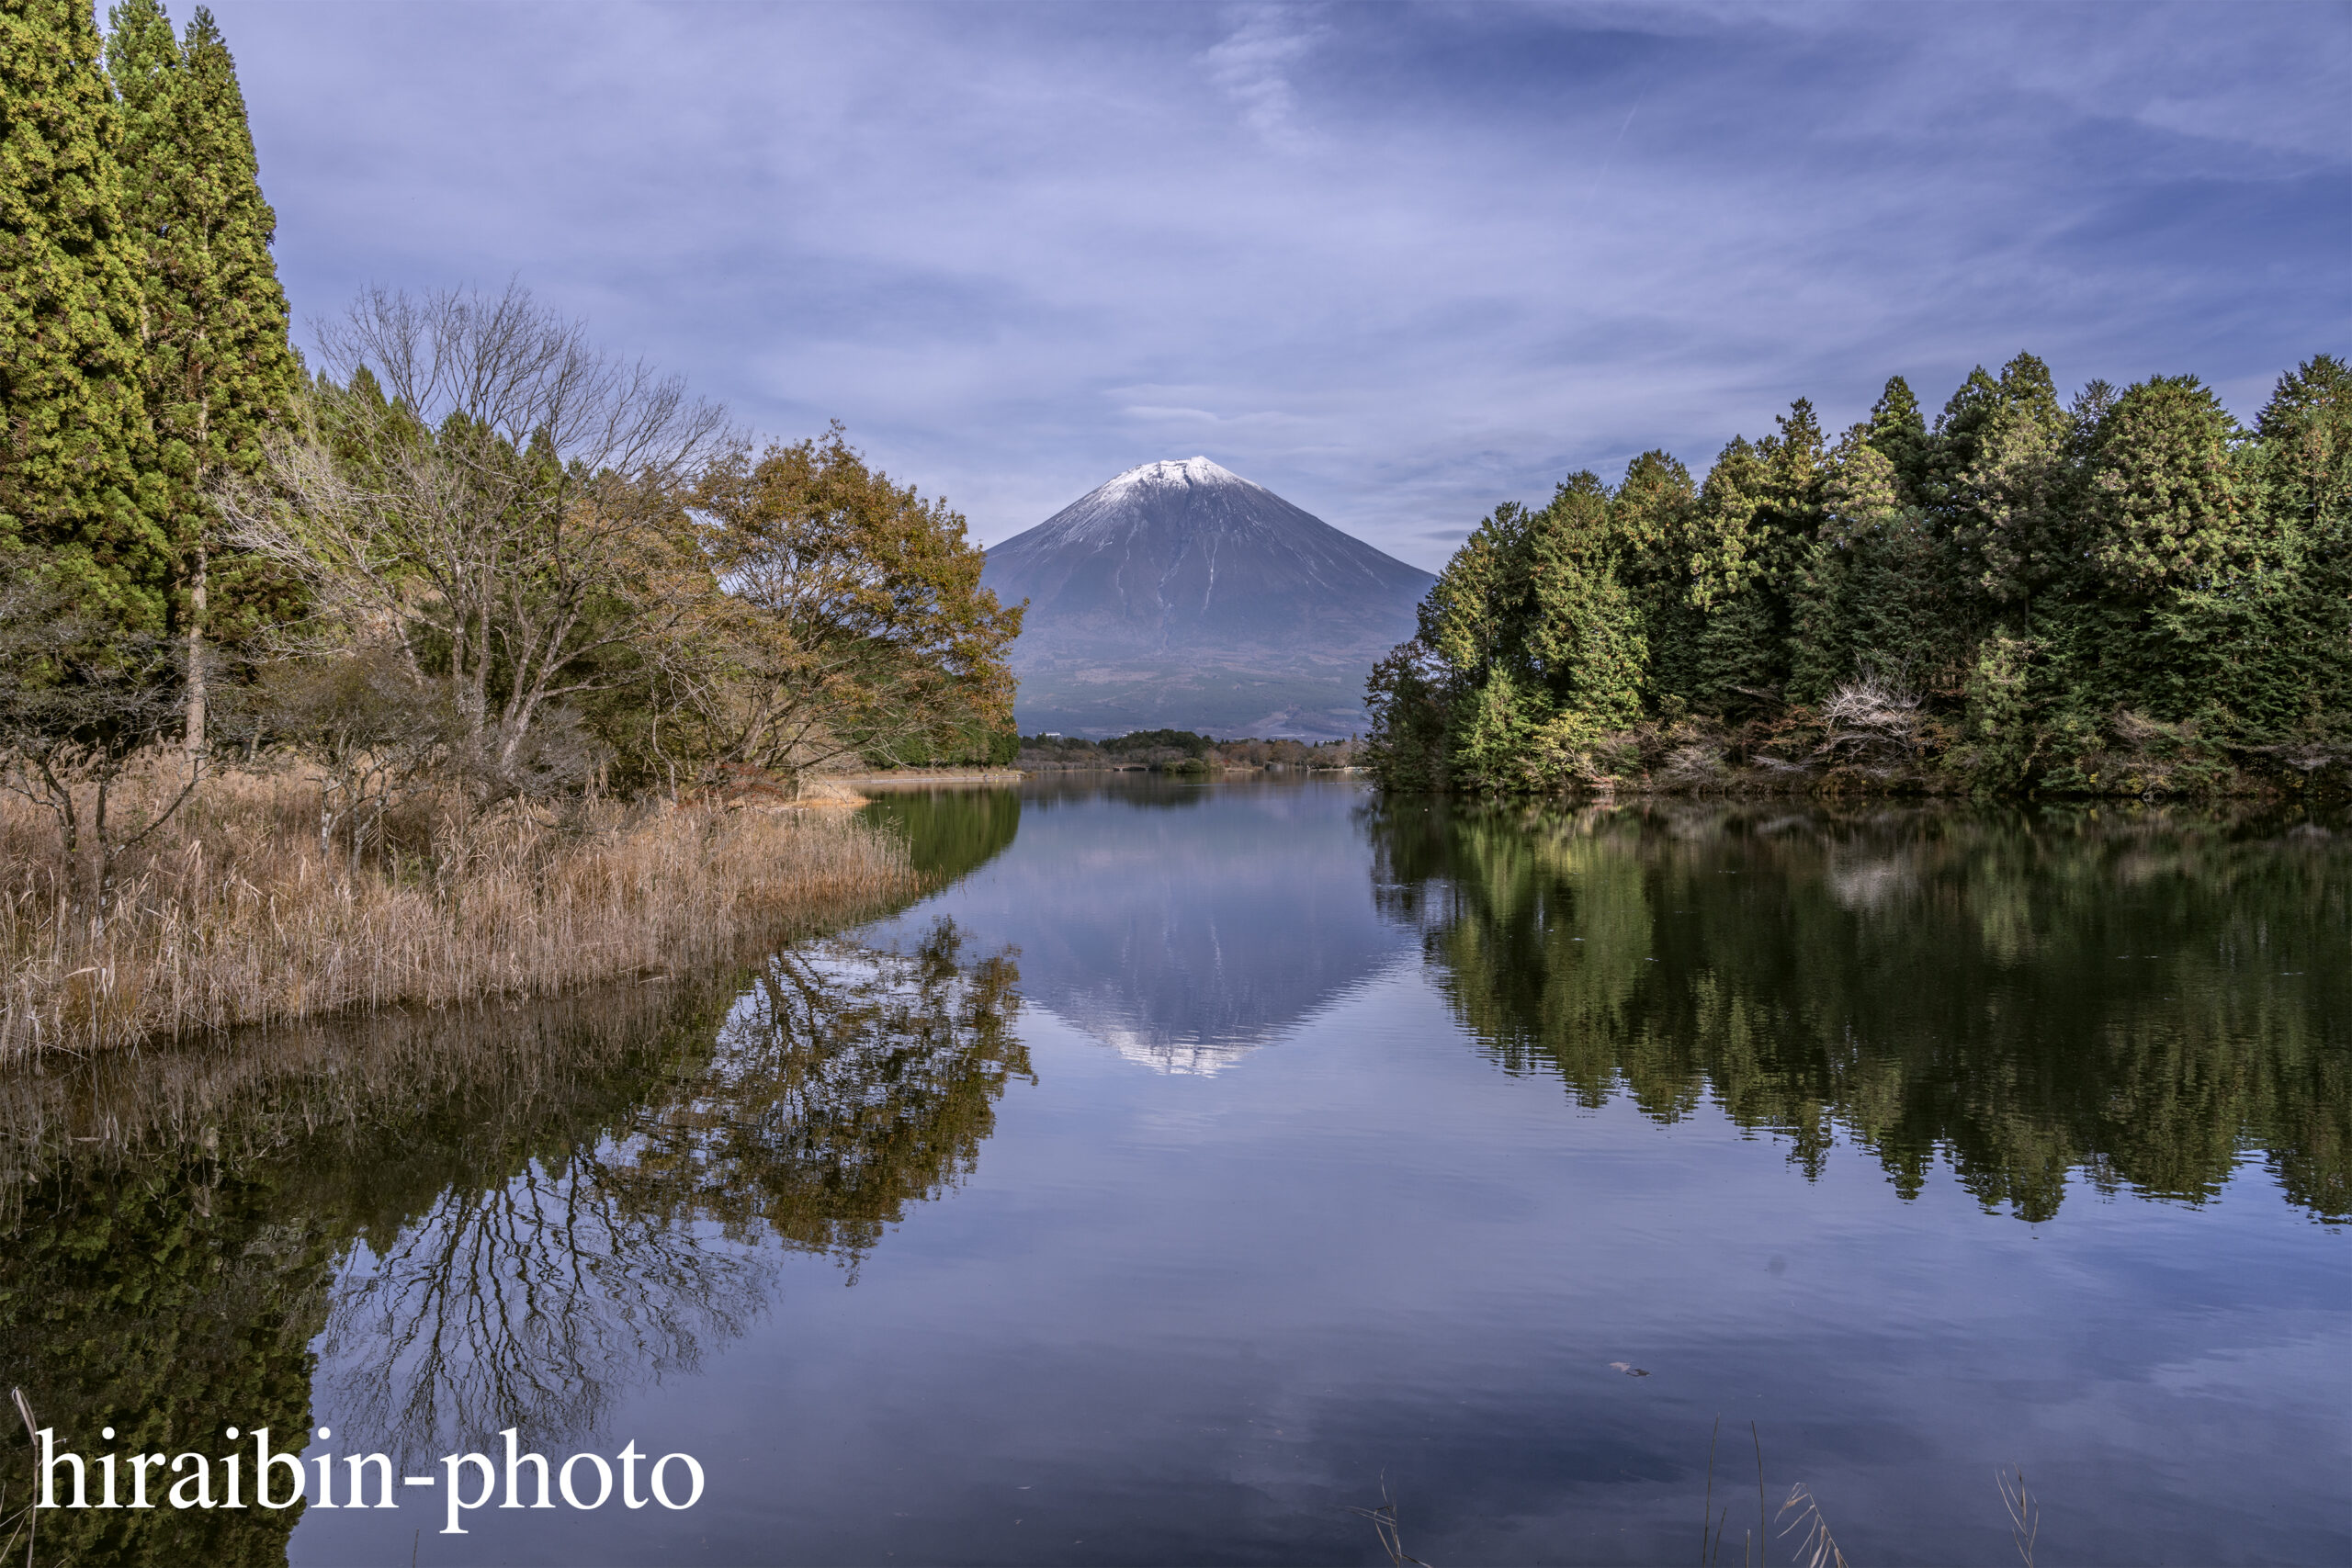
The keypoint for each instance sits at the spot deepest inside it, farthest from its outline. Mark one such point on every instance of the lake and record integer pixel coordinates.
(1201, 1164)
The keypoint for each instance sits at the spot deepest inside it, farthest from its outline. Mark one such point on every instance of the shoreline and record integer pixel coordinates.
(232, 916)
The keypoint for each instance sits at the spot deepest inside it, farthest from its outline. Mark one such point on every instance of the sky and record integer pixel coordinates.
(1396, 262)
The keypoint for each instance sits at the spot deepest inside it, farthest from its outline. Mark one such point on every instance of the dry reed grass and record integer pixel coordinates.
(232, 915)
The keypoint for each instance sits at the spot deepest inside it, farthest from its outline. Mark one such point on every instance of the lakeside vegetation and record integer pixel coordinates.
(414, 672)
(1182, 751)
(233, 915)
(2131, 594)
(365, 1210)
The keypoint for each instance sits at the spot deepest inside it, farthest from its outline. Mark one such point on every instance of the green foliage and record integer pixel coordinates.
(1899, 433)
(79, 488)
(853, 616)
(1874, 593)
(218, 373)
(2306, 454)
(1620, 952)
(2170, 500)
(1405, 703)
(2130, 594)
(1138, 741)
(1584, 638)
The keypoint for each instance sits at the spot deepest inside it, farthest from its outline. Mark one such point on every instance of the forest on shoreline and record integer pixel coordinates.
(316, 676)
(2127, 594)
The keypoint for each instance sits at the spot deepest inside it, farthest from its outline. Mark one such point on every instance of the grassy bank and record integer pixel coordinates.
(232, 914)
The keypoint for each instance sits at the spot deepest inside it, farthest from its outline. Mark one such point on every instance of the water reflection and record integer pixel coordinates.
(950, 833)
(842, 1085)
(527, 1304)
(1178, 923)
(453, 1223)
(2137, 999)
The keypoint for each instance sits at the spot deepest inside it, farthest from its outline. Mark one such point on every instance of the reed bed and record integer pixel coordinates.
(232, 914)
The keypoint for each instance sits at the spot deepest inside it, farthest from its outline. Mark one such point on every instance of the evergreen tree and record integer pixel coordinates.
(73, 430)
(2013, 504)
(1585, 639)
(1951, 445)
(1899, 433)
(1651, 517)
(1735, 655)
(2127, 593)
(2306, 435)
(2169, 497)
(219, 373)
(2306, 431)
(1831, 596)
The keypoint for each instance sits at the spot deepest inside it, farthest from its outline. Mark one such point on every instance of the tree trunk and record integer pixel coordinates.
(196, 607)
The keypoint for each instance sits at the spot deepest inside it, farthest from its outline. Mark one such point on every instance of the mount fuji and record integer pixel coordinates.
(1181, 595)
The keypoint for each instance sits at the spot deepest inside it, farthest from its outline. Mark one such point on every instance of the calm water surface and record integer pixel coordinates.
(1201, 1163)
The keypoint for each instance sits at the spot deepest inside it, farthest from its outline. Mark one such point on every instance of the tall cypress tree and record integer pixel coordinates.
(74, 438)
(219, 373)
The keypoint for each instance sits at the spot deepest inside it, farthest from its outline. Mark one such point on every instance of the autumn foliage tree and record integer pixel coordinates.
(851, 619)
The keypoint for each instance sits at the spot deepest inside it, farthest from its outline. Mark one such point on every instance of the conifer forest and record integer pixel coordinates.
(2125, 594)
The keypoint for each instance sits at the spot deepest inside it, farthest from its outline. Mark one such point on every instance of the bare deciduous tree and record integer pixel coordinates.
(477, 484)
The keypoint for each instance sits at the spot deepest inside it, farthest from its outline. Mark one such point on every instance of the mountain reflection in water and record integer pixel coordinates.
(1180, 924)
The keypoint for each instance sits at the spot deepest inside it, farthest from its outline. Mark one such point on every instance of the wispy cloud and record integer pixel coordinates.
(1398, 263)
(1252, 63)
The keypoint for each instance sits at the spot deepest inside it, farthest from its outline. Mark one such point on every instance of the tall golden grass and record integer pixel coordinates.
(232, 915)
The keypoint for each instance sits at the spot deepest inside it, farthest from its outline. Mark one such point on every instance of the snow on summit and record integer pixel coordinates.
(1180, 594)
(1173, 471)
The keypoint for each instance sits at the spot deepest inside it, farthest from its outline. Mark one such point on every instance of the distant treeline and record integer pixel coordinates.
(2132, 593)
(1182, 751)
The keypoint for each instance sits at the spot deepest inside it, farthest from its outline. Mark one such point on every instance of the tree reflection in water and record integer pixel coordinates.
(528, 1305)
(2132, 997)
(847, 1084)
(844, 1083)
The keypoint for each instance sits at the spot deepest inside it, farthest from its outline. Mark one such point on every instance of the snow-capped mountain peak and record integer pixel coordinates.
(1171, 471)
(1182, 572)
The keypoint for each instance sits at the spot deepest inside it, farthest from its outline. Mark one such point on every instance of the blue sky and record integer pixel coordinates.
(1397, 263)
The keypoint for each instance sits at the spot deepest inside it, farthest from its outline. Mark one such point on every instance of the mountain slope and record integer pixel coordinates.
(1181, 594)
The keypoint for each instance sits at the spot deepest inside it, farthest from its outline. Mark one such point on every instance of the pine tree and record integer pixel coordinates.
(1875, 596)
(2129, 592)
(73, 430)
(1735, 654)
(1650, 515)
(219, 373)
